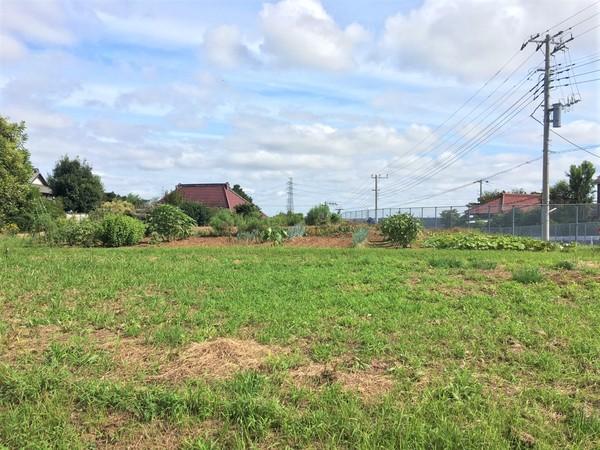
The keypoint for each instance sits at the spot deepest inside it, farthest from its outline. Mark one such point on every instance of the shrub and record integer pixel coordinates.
(402, 229)
(565, 265)
(275, 235)
(287, 219)
(80, 233)
(297, 230)
(248, 209)
(113, 207)
(319, 215)
(116, 230)
(481, 241)
(200, 213)
(527, 275)
(10, 229)
(223, 222)
(359, 236)
(250, 224)
(169, 223)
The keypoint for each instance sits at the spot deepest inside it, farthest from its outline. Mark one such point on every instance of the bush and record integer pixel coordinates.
(319, 215)
(297, 230)
(169, 223)
(359, 236)
(200, 213)
(223, 222)
(401, 229)
(527, 275)
(248, 209)
(275, 235)
(10, 229)
(250, 224)
(287, 219)
(113, 207)
(116, 230)
(80, 233)
(480, 241)
(565, 265)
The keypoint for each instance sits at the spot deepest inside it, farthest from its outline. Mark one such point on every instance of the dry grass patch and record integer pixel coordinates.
(220, 359)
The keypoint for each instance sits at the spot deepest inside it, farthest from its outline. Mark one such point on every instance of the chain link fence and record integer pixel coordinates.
(568, 223)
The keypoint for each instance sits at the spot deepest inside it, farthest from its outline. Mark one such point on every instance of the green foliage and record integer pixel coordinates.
(451, 218)
(200, 213)
(488, 196)
(79, 188)
(527, 275)
(37, 205)
(565, 265)
(560, 193)
(446, 262)
(359, 236)
(275, 235)
(10, 229)
(15, 170)
(223, 222)
(239, 191)
(169, 223)
(175, 198)
(78, 233)
(297, 230)
(248, 209)
(579, 188)
(117, 230)
(319, 215)
(113, 207)
(287, 219)
(481, 241)
(401, 229)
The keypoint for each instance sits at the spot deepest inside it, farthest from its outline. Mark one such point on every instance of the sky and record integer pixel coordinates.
(435, 94)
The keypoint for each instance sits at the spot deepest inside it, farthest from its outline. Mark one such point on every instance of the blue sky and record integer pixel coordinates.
(155, 93)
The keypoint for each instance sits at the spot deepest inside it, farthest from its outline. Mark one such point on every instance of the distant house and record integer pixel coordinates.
(505, 204)
(214, 195)
(38, 180)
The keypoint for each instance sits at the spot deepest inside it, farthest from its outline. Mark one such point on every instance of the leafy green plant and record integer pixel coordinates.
(116, 230)
(170, 223)
(275, 235)
(297, 230)
(527, 275)
(481, 241)
(319, 215)
(200, 213)
(79, 233)
(565, 265)
(401, 229)
(10, 229)
(223, 222)
(359, 236)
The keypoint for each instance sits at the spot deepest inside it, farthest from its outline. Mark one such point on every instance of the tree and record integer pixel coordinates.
(489, 196)
(74, 181)
(581, 182)
(319, 215)
(450, 218)
(239, 191)
(248, 210)
(15, 169)
(560, 193)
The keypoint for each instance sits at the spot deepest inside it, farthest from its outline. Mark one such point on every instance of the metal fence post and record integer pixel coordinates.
(450, 216)
(513, 220)
(489, 220)
(435, 217)
(576, 223)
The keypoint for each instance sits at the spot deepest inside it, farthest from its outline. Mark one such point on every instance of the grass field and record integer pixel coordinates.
(273, 347)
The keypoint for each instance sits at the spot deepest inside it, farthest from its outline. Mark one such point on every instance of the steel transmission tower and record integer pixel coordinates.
(290, 195)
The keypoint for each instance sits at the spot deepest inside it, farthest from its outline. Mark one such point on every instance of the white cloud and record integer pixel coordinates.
(469, 38)
(301, 33)
(158, 31)
(41, 22)
(224, 47)
(11, 48)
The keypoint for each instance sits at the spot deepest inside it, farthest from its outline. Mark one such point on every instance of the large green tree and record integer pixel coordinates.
(581, 182)
(15, 170)
(74, 181)
(579, 188)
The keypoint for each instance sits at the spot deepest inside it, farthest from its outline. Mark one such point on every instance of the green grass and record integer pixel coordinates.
(476, 356)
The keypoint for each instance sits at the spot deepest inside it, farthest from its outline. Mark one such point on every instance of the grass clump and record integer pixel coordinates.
(565, 265)
(446, 263)
(527, 275)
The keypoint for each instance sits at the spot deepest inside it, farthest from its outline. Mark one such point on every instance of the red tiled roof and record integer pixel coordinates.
(214, 195)
(505, 203)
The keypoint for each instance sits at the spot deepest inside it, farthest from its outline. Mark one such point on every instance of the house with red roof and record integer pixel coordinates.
(506, 202)
(213, 195)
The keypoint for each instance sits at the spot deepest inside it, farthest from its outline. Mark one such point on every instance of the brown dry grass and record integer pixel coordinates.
(219, 359)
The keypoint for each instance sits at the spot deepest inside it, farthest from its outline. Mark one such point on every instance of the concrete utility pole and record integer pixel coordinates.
(481, 187)
(377, 178)
(290, 195)
(559, 44)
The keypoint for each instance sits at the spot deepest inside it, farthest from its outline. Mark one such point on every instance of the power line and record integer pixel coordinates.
(572, 15)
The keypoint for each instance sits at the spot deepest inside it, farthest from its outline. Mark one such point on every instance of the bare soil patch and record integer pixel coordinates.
(343, 241)
(369, 383)
(220, 358)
